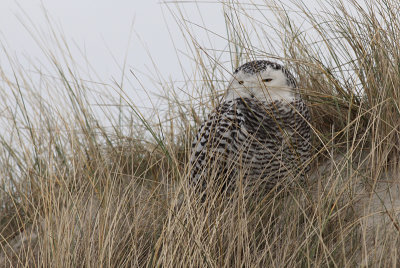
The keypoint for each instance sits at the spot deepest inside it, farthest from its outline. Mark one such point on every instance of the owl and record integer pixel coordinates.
(258, 135)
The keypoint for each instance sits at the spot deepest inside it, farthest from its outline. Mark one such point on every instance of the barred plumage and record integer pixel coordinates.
(259, 133)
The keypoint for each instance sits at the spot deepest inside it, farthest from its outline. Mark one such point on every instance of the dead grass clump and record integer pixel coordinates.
(75, 192)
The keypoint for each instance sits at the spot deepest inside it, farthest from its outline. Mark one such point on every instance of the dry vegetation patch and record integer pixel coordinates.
(76, 193)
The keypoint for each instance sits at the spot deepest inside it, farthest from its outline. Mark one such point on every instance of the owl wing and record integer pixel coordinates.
(214, 145)
(303, 130)
(298, 146)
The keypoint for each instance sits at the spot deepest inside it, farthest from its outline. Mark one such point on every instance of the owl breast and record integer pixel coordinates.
(253, 142)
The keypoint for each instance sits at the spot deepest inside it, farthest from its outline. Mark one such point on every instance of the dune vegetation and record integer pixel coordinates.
(76, 192)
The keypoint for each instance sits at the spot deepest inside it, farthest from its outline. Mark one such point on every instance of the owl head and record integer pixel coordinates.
(263, 80)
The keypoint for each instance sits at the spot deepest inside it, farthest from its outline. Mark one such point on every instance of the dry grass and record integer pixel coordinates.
(76, 193)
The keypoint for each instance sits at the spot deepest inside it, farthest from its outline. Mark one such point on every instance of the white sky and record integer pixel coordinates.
(104, 33)
(102, 29)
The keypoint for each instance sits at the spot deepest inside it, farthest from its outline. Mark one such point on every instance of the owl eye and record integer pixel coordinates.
(240, 82)
(267, 80)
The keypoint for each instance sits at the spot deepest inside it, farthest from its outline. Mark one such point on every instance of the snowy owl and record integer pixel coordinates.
(258, 135)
